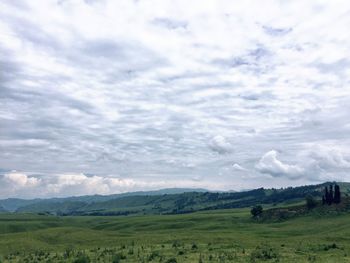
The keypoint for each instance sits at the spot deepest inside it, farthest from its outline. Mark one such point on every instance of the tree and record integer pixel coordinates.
(331, 195)
(326, 195)
(256, 211)
(337, 194)
(310, 202)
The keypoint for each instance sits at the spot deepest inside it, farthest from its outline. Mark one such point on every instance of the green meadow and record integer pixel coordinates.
(212, 236)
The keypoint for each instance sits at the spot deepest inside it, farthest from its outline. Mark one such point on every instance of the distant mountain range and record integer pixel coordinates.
(2, 209)
(165, 201)
(12, 204)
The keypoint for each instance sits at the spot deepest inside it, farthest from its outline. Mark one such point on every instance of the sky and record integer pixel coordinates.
(104, 96)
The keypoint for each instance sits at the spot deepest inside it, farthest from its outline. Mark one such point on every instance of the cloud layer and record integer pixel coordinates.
(214, 94)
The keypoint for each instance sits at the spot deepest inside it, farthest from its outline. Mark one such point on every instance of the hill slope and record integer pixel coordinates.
(12, 204)
(175, 203)
(210, 236)
(2, 210)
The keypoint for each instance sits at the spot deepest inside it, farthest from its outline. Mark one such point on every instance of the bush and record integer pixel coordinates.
(262, 253)
(171, 260)
(310, 202)
(176, 244)
(82, 258)
(256, 211)
(153, 255)
(68, 252)
(331, 246)
(116, 258)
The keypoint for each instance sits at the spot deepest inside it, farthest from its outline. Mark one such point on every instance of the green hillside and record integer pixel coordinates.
(12, 204)
(176, 203)
(229, 235)
(2, 210)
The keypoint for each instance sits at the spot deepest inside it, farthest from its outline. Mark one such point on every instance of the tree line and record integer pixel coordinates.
(331, 195)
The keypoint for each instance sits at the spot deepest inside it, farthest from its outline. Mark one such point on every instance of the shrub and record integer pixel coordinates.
(256, 211)
(68, 252)
(153, 255)
(171, 260)
(331, 246)
(263, 253)
(176, 244)
(116, 258)
(310, 202)
(82, 258)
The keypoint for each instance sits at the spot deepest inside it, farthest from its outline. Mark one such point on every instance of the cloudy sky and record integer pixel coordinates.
(101, 96)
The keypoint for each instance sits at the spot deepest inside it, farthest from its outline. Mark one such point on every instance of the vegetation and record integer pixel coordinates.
(311, 202)
(330, 197)
(256, 211)
(2, 210)
(278, 232)
(149, 203)
(209, 236)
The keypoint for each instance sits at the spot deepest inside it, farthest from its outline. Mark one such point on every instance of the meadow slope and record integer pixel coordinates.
(212, 236)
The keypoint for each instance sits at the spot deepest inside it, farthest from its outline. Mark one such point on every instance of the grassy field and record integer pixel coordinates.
(213, 236)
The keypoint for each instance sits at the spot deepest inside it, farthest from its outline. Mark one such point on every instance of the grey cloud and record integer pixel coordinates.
(120, 58)
(257, 60)
(337, 67)
(9, 70)
(258, 96)
(153, 98)
(32, 32)
(324, 157)
(21, 5)
(170, 23)
(274, 31)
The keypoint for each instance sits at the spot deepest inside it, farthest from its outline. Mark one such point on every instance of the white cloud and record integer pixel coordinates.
(316, 162)
(220, 144)
(238, 167)
(19, 180)
(269, 164)
(325, 157)
(30, 185)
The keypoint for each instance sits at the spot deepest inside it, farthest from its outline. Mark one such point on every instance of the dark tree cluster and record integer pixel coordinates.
(310, 202)
(256, 211)
(332, 195)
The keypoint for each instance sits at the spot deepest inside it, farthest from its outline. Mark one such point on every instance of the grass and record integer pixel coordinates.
(211, 236)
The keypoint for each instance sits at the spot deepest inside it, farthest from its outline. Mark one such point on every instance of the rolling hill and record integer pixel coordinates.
(2, 210)
(174, 203)
(12, 204)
